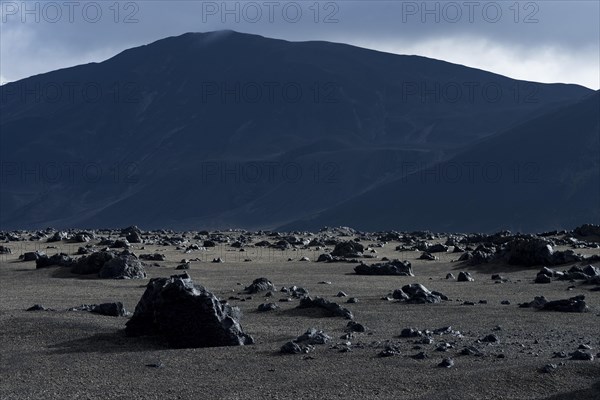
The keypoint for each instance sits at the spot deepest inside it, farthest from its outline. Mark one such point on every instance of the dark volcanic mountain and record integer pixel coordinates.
(225, 129)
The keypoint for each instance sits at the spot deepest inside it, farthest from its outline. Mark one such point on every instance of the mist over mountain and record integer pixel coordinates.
(223, 129)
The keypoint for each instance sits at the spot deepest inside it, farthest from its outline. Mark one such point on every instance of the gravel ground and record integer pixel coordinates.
(79, 355)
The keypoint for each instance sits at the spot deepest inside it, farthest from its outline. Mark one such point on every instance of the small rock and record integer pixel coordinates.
(446, 363)
(389, 351)
(582, 356)
(260, 285)
(491, 338)
(541, 278)
(548, 368)
(465, 277)
(420, 356)
(471, 351)
(37, 307)
(334, 308)
(353, 326)
(267, 307)
(427, 256)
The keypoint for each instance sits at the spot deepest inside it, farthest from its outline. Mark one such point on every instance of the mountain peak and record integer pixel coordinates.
(241, 124)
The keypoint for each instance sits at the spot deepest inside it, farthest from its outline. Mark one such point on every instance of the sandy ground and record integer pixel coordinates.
(79, 355)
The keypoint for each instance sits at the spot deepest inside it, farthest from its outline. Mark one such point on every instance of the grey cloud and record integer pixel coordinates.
(571, 25)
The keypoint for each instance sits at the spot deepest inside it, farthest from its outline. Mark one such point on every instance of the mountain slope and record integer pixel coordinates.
(226, 129)
(541, 175)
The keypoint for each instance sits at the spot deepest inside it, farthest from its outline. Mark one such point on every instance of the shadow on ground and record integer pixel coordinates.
(108, 342)
(584, 394)
(314, 312)
(65, 273)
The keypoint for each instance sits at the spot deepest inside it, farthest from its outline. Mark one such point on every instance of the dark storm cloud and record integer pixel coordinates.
(41, 36)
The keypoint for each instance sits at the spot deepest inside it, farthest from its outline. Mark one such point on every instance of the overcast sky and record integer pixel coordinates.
(545, 41)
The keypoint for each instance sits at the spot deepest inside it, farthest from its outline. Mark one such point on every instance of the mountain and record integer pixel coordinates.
(223, 129)
(541, 175)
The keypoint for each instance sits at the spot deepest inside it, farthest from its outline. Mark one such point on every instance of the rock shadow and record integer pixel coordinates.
(592, 392)
(108, 342)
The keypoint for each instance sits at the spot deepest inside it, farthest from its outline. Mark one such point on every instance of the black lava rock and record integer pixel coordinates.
(464, 277)
(260, 285)
(333, 308)
(186, 315)
(395, 267)
(59, 260)
(348, 249)
(267, 307)
(446, 363)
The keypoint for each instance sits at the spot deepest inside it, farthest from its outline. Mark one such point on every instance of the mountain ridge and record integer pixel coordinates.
(170, 114)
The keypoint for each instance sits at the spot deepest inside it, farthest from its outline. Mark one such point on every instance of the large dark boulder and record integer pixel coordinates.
(111, 309)
(83, 237)
(566, 257)
(395, 267)
(573, 304)
(418, 294)
(130, 230)
(260, 285)
(587, 273)
(464, 277)
(529, 251)
(92, 263)
(32, 255)
(57, 260)
(437, 248)
(186, 315)
(332, 307)
(587, 230)
(134, 237)
(58, 236)
(481, 255)
(123, 266)
(132, 234)
(110, 265)
(120, 244)
(296, 292)
(348, 249)
(326, 257)
(153, 257)
(305, 342)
